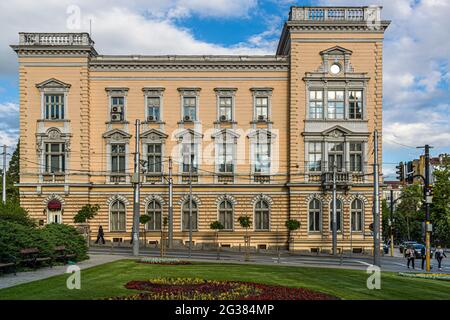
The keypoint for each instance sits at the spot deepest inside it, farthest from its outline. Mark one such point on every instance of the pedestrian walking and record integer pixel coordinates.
(440, 254)
(100, 235)
(410, 255)
(423, 256)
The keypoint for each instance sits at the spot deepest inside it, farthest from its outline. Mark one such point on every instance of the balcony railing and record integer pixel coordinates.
(334, 13)
(55, 39)
(323, 174)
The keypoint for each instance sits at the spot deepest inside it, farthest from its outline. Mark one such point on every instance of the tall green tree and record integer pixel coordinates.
(409, 214)
(12, 177)
(440, 208)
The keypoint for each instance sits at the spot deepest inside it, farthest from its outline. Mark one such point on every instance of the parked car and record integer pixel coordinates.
(418, 250)
(405, 245)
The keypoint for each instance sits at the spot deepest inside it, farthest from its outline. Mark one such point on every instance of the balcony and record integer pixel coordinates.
(348, 14)
(324, 175)
(55, 39)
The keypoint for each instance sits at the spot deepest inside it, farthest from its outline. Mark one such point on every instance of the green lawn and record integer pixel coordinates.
(109, 279)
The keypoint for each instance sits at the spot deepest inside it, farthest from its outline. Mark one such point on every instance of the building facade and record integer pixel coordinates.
(259, 135)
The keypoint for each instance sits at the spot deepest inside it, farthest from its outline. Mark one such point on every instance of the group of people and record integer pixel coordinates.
(410, 255)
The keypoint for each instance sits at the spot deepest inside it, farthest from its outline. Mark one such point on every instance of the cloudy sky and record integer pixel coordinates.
(416, 56)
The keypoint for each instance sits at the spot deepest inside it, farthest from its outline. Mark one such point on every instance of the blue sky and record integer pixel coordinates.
(416, 51)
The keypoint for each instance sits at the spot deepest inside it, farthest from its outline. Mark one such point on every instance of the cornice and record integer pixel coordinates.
(95, 66)
(335, 26)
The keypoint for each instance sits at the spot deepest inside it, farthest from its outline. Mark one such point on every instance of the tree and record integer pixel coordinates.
(217, 225)
(440, 207)
(86, 213)
(292, 225)
(409, 212)
(144, 219)
(11, 211)
(245, 222)
(12, 177)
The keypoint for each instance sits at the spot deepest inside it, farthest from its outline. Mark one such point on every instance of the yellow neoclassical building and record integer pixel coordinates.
(259, 135)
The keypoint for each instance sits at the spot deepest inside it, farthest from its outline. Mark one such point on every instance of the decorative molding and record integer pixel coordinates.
(116, 135)
(225, 92)
(53, 196)
(360, 197)
(264, 197)
(153, 91)
(189, 92)
(317, 196)
(152, 197)
(115, 197)
(226, 197)
(261, 92)
(180, 135)
(52, 83)
(117, 91)
(254, 133)
(153, 135)
(229, 132)
(185, 198)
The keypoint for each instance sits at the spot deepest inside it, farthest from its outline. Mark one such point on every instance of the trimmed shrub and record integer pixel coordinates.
(68, 236)
(13, 212)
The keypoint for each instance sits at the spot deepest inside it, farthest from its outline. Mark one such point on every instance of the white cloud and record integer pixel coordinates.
(9, 108)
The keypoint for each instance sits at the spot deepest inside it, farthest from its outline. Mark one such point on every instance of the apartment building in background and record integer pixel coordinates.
(259, 135)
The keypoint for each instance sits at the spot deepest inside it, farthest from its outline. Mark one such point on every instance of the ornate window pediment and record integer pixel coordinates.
(52, 84)
(153, 136)
(261, 133)
(189, 134)
(230, 134)
(336, 132)
(116, 135)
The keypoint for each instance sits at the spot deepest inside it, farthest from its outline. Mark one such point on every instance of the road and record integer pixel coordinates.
(359, 262)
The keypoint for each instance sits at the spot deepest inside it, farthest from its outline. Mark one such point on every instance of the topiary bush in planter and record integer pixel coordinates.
(68, 236)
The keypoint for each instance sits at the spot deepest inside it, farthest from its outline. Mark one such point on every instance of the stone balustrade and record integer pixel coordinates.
(55, 39)
(347, 14)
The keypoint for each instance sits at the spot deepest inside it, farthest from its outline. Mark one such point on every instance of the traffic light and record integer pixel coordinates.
(400, 172)
(410, 172)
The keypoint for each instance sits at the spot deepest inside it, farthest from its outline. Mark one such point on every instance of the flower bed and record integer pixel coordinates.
(200, 289)
(436, 276)
(164, 261)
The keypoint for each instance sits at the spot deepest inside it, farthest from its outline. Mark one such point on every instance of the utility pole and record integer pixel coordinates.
(376, 203)
(136, 192)
(391, 223)
(4, 175)
(427, 200)
(334, 214)
(170, 204)
(190, 204)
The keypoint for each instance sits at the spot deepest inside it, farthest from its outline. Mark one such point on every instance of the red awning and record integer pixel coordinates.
(54, 205)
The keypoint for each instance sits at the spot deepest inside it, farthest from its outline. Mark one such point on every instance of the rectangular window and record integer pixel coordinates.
(154, 157)
(55, 158)
(356, 157)
(54, 106)
(225, 152)
(355, 104)
(335, 155)
(315, 156)
(262, 108)
(153, 109)
(314, 221)
(262, 155)
(189, 108)
(118, 158)
(225, 108)
(336, 104)
(117, 108)
(316, 104)
(189, 157)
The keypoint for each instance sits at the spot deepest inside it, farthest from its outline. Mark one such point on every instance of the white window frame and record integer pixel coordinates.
(262, 93)
(117, 93)
(190, 93)
(157, 92)
(320, 216)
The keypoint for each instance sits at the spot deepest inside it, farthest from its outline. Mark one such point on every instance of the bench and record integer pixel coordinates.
(31, 257)
(8, 263)
(62, 255)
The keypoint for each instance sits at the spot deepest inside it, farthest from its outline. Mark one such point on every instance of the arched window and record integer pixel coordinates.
(357, 215)
(117, 219)
(262, 215)
(338, 214)
(226, 214)
(186, 215)
(314, 215)
(154, 212)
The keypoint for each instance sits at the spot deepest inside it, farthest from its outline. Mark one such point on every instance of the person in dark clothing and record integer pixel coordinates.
(440, 254)
(100, 235)
(410, 255)
(423, 256)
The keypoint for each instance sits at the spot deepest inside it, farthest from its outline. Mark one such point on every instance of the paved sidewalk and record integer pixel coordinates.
(11, 280)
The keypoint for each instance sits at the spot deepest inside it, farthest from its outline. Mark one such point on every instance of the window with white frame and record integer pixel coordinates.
(355, 104)
(226, 214)
(316, 104)
(55, 158)
(357, 215)
(225, 108)
(117, 108)
(186, 213)
(356, 157)
(118, 155)
(54, 106)
(262, 151)
(262, 211)
(315, 156)
(189, 108)
(335, 155)
(225, 155)
(262, 108)
(189, 154)
(336, 103)
(154, 211)
(314, 214)
(154, 157)
(117, 216)
(338, 215)
(153, 108)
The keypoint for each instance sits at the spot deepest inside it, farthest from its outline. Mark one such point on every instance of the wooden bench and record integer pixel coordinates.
(8, 263)
(31, 257)
(62, 255)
